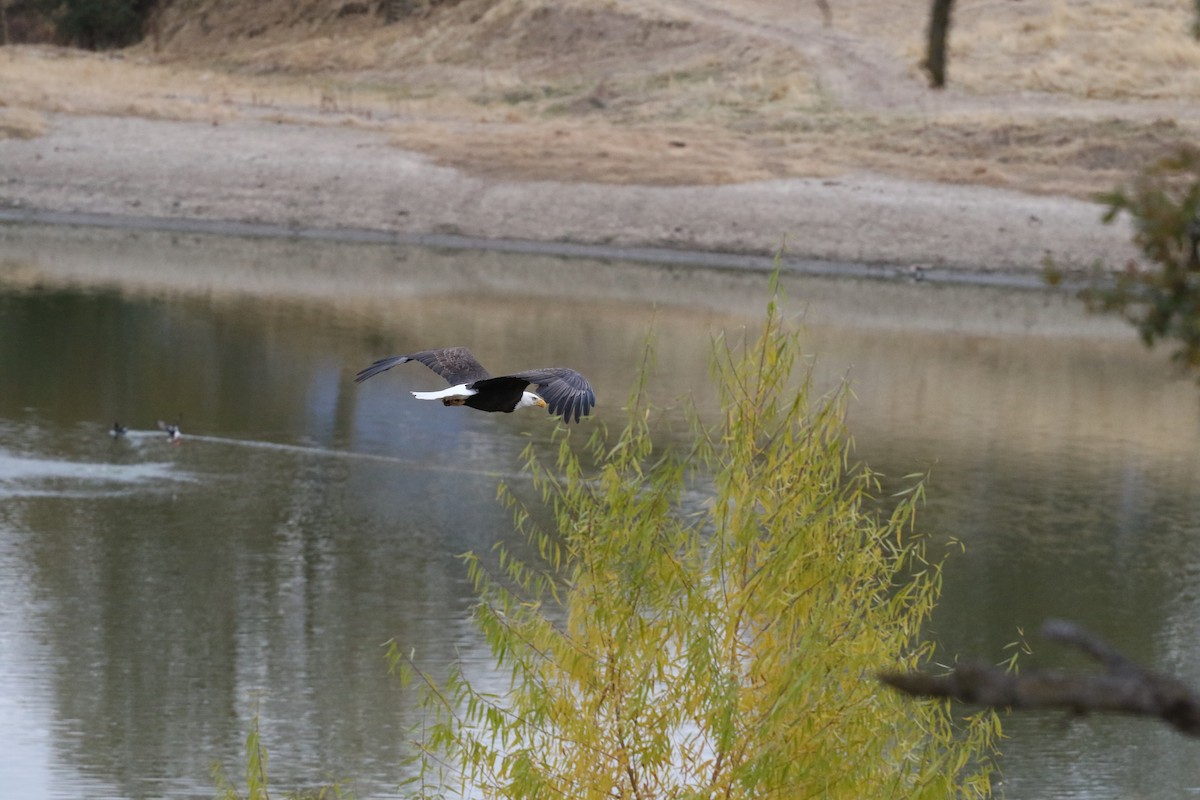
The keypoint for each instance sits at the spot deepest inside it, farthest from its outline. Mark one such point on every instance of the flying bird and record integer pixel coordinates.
(117, 430)
(562, 391)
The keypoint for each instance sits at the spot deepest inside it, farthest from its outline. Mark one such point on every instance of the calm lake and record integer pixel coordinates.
(155, 597)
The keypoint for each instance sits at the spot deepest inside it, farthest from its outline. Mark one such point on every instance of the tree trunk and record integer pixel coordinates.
(939, 31)
(827, 12)
(154, 24)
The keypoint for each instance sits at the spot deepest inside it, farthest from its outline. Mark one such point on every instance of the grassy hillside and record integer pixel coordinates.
(1063, 96)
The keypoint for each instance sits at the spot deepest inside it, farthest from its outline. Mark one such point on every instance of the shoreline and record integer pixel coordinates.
(311, 180)
(662, 256)
(365, 274)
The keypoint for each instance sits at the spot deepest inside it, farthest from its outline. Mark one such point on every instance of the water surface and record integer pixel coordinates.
(153, 597)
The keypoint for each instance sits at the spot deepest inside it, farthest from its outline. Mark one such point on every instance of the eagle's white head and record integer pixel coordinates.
(529, 400)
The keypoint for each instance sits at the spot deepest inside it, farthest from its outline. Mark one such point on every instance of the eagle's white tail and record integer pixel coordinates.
(461, 391)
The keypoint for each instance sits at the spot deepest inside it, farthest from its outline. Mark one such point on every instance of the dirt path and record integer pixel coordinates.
(865, 74)
(858, 73)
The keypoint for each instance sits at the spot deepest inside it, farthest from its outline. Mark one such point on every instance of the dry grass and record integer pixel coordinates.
(21, 123)
(1139, 49)
(66, 81)
(669, 92)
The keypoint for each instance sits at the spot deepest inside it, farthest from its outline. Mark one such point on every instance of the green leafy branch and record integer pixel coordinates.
(1161, 298)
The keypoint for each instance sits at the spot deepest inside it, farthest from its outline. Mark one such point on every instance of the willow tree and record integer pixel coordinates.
(706, 623)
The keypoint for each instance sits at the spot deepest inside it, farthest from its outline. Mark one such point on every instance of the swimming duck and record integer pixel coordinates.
(172, 430)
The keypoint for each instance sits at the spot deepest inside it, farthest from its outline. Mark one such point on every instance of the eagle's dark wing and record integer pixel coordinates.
(565, 391)
(455, 364)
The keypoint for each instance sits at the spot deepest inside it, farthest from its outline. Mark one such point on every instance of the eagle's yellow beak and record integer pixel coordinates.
(539, 402)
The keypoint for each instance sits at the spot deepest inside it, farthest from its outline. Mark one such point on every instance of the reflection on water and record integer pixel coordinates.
(152, 596)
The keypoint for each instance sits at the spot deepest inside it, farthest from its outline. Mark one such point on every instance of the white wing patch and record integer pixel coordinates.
(460, 392)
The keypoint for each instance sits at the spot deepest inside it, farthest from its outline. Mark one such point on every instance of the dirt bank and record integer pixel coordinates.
(736, 127)
(346, 178)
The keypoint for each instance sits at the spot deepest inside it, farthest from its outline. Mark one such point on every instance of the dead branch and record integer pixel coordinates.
(1125, 687)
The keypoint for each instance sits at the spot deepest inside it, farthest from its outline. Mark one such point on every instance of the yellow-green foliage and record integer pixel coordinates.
(257, 785)
(709, 623)
(256, 770)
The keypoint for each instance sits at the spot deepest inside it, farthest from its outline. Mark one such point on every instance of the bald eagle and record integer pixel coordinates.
(560, 390)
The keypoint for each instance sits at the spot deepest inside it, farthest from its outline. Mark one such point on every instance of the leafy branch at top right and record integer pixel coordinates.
(1160, 296)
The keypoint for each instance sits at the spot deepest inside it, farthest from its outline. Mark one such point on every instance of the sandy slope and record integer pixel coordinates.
(342, 177)
(735, 126)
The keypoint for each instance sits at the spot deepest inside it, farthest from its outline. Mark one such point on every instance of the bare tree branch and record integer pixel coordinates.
(1125, 688)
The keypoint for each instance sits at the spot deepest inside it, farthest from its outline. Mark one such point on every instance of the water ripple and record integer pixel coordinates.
(31, 476)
